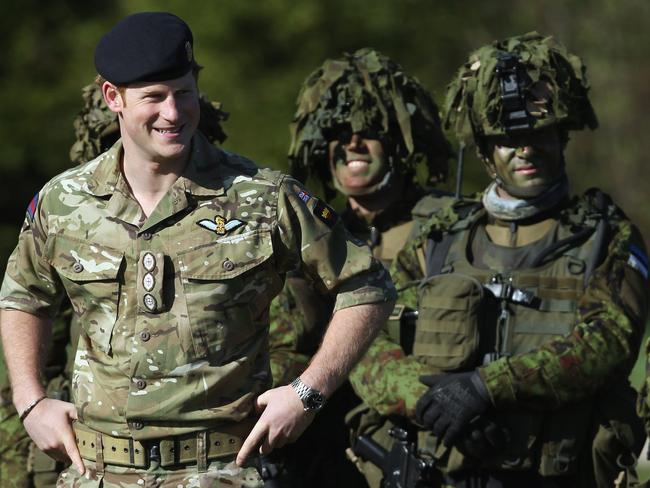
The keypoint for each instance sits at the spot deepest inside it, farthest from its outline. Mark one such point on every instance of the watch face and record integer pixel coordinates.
(314, 401)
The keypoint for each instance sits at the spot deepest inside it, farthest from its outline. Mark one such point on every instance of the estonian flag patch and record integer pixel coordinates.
(638, 260)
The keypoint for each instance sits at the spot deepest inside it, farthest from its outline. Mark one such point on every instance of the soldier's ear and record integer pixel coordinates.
(112, 96)
(481, 153)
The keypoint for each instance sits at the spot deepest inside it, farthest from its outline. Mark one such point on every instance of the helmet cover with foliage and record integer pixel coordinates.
(526, 82)
(96, 127)
(366, 93)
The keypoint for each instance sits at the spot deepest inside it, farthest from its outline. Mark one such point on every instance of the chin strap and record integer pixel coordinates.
(510, 209)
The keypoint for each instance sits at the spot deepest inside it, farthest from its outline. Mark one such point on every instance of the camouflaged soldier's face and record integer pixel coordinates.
(526, 160)
(158, 120)
(357, 163)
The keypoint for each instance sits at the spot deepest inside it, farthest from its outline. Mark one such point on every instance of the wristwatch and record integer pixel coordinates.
(312, 399)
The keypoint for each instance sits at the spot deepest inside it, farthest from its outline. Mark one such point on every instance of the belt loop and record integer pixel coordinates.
(99, 454)
(201, 451)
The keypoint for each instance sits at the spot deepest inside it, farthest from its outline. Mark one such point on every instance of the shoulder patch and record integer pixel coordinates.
(31, 208)
(325, 213)
(303, 195)
(638, 260)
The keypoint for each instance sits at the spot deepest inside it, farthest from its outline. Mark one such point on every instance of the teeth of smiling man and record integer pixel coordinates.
(167, 131)
(357, 164)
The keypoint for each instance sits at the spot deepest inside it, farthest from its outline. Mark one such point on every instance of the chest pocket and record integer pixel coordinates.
(90, 274)
(228, 285)
(447, 328)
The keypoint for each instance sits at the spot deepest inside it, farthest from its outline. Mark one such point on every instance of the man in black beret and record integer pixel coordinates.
(170, 251)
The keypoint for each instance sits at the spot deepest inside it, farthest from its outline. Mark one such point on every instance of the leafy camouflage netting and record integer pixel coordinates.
(366, 92)
(553, 84)
(96, 127)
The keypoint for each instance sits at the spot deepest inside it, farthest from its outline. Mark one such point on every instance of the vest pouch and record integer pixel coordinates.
(447, 328)
(563, 439)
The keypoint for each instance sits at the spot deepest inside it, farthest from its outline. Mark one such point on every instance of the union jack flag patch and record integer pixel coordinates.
(31, 208)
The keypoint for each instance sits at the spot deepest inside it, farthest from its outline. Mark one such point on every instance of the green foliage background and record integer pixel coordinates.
(257, 53)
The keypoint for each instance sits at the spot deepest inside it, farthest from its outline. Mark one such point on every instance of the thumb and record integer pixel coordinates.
(430, 379)
(261, 402)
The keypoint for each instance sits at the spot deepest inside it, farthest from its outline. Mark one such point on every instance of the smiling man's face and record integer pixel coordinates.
(527, 160)
(357, 164)
(157, 120)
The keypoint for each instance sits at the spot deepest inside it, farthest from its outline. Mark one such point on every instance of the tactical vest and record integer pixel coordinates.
(470, 316)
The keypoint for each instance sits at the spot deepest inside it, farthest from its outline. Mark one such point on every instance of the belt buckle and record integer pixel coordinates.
(152, 449)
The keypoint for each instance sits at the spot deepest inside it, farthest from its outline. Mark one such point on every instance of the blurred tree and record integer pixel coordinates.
(256, 55)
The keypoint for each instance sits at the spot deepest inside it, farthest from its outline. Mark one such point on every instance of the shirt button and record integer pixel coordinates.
(228, 265)
(141, 384)
(145, 335)
(137, 425)
(146, 236)
(77, 267)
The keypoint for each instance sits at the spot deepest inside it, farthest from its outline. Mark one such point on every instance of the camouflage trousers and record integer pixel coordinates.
(218, 474)
(14, 450)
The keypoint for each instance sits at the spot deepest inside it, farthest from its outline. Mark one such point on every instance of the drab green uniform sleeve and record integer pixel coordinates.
(386, 378)
(604, 342)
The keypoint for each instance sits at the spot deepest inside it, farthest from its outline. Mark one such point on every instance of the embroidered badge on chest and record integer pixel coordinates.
(220, 225)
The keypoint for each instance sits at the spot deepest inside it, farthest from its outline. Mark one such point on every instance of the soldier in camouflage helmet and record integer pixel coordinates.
(531, 303)
(362, 127)
(22, 464)
(170, 251)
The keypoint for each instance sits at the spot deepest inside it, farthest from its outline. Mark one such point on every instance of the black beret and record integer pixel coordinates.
(147, 46)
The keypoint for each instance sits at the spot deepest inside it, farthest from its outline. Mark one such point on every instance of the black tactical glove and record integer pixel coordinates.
(483, 439)
(452, 402)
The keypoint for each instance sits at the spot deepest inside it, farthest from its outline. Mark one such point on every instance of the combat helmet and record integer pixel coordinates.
(366, 92)
(522, 83)
(96, 127)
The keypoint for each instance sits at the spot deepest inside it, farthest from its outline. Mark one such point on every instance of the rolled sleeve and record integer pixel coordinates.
(310, 234)
(30, 283)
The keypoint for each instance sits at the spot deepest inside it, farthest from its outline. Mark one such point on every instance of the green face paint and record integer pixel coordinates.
(358, 165)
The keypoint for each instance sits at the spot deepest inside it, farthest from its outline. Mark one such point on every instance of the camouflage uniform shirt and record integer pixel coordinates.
(173, 307)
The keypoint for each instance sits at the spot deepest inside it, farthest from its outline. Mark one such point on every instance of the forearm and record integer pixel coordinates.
(564, 370)
(24, 339)
(349, 334)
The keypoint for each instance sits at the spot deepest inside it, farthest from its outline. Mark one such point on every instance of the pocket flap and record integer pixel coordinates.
(226, 257)
(79, 260)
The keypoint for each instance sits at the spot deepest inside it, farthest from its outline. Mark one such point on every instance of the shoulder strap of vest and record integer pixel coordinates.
(436, 250)
(601, 203)
(591, 213)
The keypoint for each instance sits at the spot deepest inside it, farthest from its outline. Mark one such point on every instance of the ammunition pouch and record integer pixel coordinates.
(447, 328)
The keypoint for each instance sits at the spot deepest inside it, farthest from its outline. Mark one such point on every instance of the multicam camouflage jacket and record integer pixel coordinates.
(173, 307)
(602, 344)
